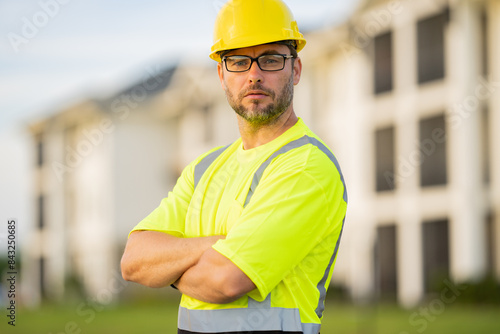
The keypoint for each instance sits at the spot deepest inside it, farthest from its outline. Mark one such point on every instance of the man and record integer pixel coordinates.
(250, 232)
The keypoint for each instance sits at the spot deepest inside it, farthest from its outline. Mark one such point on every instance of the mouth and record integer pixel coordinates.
(256, 94)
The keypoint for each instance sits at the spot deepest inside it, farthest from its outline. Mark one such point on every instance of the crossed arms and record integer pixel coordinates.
(157, 259)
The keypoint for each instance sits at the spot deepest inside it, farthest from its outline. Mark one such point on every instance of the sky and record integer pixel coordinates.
(56, 52)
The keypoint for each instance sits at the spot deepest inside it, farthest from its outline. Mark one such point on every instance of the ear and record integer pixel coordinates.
(297, 70)
(220, 71)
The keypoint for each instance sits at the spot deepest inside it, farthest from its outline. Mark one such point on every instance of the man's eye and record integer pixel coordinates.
(238, 61)
(241, 63)
(270, 60)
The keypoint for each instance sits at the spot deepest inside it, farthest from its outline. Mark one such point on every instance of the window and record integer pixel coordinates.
(431, 47)
(386, 262)
(433, 151)
(384, 155)
(41, 213)
(39, 151)
(485, 145)
(484, 42)
(490, 243)
(383, 63)
(41, 272)
(436, 257)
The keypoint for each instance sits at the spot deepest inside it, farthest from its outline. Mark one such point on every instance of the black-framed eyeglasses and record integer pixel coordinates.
(269, 63)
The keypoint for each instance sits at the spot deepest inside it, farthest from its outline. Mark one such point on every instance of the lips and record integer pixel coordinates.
(256, 94)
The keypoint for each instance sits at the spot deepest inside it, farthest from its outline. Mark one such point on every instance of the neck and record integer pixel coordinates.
(254, 136)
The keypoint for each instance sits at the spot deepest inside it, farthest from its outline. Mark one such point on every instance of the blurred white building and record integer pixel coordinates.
(406, 93)
(102, 166)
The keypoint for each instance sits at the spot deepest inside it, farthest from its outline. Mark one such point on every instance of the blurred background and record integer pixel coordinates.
(102, 104)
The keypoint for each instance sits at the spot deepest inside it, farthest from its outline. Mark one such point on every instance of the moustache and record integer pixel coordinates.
(257, 87)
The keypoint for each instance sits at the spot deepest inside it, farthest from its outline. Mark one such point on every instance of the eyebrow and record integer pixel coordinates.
(270, 52)
(266, 52)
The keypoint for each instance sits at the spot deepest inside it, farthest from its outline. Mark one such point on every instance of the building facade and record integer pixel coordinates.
(409, 93)
(101, 166)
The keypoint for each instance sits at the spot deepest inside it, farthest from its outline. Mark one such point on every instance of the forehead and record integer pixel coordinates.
(260, 49)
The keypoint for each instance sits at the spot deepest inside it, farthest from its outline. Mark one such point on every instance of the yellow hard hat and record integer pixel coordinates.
(244, 23)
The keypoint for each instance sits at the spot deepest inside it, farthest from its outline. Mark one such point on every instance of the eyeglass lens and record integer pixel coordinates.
(266, 63)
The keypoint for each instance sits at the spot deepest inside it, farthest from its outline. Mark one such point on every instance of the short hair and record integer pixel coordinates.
(292, 46)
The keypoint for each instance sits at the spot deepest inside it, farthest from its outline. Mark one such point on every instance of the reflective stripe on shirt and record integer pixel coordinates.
(259, 316)
(203, 165)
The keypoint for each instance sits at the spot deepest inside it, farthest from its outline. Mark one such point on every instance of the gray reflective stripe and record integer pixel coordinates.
(290, 146)
(258, 174)
(203, 165)
(322, 284)
(255, 182)
(240, 320)
(311, 328)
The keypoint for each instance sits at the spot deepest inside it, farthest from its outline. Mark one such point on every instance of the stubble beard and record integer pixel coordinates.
(258, 115)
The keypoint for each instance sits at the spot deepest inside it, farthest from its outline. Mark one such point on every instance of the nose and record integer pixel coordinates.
(255, 73)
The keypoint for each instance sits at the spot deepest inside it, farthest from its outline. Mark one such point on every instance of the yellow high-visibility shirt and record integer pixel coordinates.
(281, 207)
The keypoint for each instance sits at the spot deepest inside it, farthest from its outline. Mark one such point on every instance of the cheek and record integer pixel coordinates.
(233, 85)
(285, 80)
(229, 89)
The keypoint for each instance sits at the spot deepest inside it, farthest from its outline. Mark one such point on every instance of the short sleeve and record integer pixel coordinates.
(291, 212)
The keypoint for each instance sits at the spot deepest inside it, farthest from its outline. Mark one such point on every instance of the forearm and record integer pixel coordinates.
(157, 259)
(214, 279)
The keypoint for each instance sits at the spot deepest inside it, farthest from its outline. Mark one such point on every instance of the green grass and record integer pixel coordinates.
(157, 317)
(428, 319)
